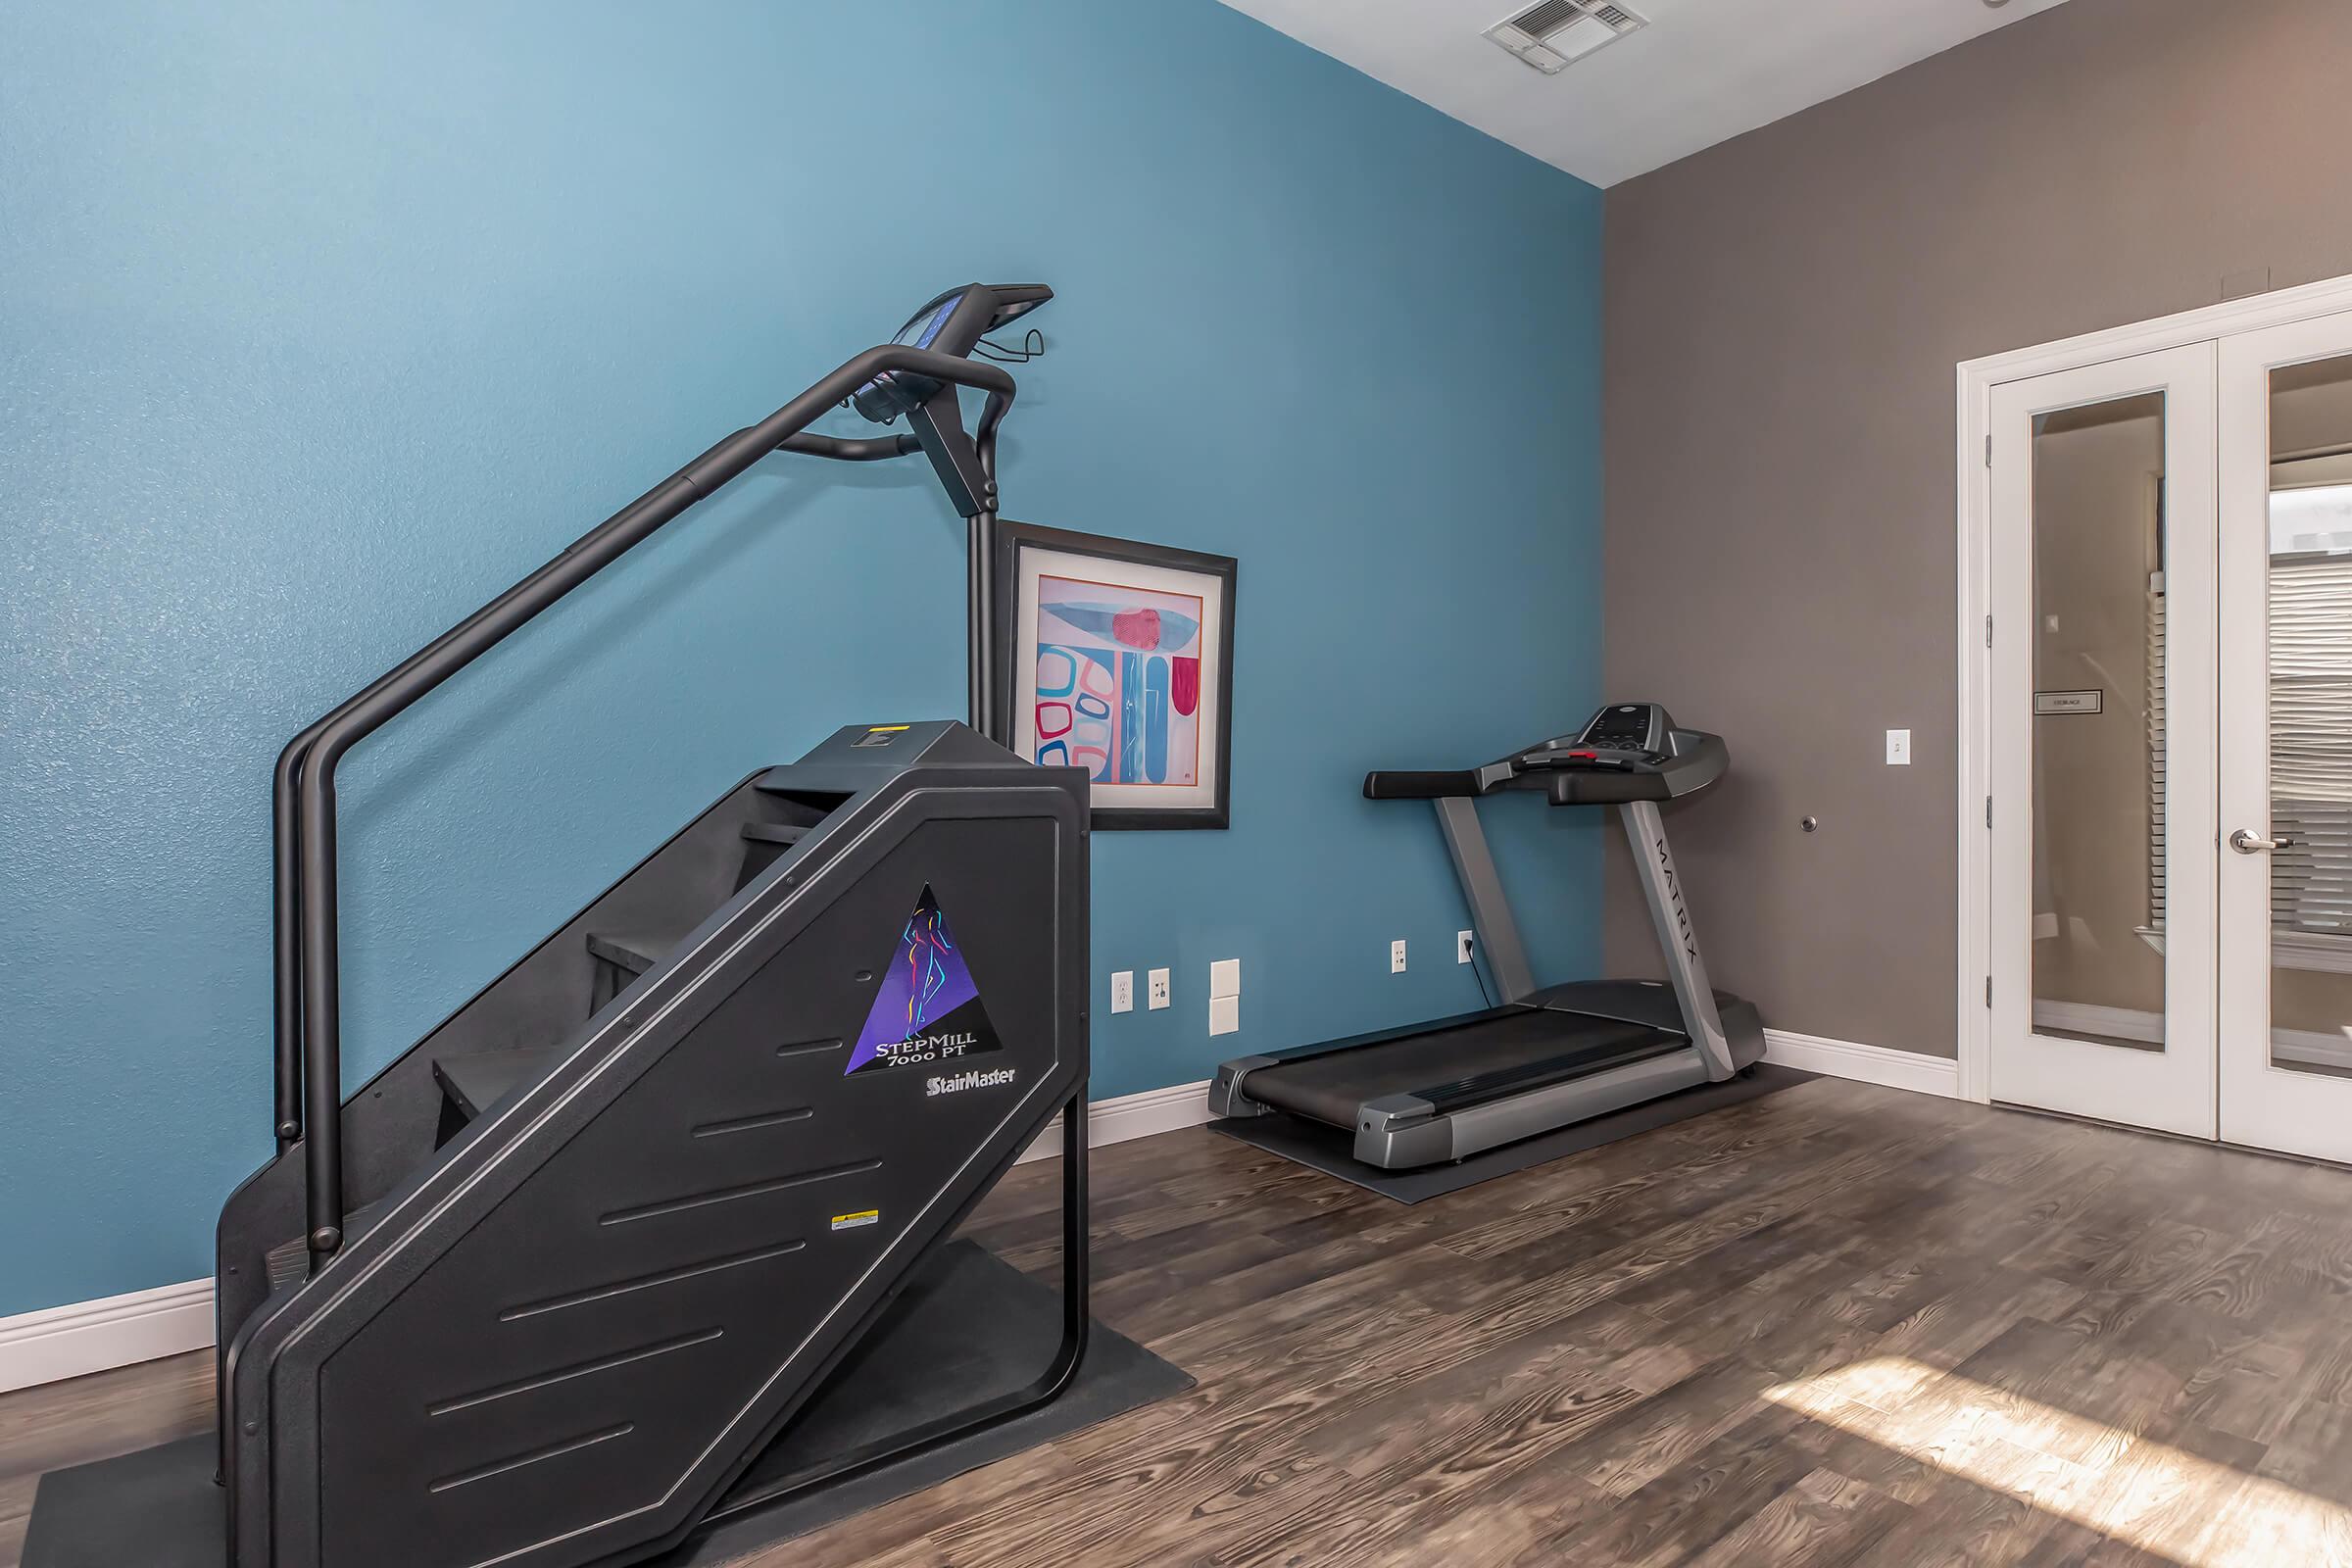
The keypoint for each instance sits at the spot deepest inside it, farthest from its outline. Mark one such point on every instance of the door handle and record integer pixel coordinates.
(2245, 842)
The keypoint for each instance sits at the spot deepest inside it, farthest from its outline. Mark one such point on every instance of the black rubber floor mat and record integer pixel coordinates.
(1117, 1376)
(969, 1328)
(975, 1329)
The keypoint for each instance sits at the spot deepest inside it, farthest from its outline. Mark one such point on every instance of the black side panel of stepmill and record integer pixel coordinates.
(541, 1001)
(620, 1284)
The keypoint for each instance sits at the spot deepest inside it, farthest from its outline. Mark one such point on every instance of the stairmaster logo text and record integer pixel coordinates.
(927, 1011)
(956, 1084)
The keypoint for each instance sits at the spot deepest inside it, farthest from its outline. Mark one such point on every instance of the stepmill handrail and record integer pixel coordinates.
(306, 1024)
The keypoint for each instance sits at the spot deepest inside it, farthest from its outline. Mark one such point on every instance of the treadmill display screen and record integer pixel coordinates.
(1623, 725)
(919, 332)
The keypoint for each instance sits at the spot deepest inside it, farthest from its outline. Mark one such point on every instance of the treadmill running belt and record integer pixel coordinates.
(1330, 1088)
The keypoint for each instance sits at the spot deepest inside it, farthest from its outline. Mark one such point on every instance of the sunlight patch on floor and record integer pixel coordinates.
(2147, 1494)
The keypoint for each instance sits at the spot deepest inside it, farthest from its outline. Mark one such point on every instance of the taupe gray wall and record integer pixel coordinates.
(1785, 313)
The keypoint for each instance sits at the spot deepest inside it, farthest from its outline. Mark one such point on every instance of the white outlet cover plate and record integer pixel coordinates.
(1224, 1014)
(1225, 977)
(1397, 957)
(1464, 943)
(1122, 990)
(1159, 989)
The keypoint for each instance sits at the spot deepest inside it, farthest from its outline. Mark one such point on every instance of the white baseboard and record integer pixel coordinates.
(1128, 1116)
(66, 1342)
(1870, 1064)
(83, 1337)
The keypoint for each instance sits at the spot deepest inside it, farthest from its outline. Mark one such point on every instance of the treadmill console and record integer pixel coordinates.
(1625, 752)
(1627, 727)
(1619, 737)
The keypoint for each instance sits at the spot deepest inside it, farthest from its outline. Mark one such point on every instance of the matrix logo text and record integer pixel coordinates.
(967, 1079)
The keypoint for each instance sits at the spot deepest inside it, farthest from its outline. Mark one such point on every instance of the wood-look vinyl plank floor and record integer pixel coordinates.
(1838, 1325)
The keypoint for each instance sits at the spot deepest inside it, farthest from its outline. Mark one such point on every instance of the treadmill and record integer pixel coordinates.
(1549, 1056)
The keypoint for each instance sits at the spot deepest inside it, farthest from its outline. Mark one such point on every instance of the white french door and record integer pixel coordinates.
(2102, 803)
(2169, 688)
(2286, 753)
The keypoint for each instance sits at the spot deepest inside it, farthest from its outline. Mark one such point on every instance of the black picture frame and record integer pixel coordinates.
(1013, 539)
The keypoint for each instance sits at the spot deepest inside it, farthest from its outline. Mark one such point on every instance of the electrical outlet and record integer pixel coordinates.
(1122, 990)
(1464, 944)
(1397, 957)
(1898, 748)
(1158, 993)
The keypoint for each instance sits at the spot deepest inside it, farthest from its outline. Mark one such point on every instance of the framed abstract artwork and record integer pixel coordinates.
(1117, 657)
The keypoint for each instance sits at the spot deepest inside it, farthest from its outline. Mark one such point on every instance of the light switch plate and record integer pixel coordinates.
(1122, 990)
(1224, 1014)
(1157, 981)
(1225, 977)
(1898, 748)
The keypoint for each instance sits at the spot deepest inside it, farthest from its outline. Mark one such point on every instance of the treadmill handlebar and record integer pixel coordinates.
(1389, 784)
(1591, 766)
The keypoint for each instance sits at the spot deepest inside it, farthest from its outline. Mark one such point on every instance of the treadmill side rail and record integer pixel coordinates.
(1476, 1129)
(1397, 1132)
(1226, 1096)
(1400, 1132)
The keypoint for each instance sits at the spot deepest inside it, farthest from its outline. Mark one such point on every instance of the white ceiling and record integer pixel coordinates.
(1702, 71)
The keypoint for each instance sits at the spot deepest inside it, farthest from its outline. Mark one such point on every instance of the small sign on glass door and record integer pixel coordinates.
(2067, 702)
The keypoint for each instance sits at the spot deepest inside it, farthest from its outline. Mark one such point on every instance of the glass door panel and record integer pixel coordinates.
(2097, 630)
(2102, 545)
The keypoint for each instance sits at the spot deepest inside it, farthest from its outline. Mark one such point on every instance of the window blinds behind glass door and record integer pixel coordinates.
(2311, 727)
(2311, 743)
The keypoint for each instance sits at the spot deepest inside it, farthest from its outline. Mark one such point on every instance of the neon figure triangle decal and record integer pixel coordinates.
(927, 1010)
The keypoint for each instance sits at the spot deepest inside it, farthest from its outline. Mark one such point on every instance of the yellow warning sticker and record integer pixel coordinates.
(886, 729)
(851, 1222)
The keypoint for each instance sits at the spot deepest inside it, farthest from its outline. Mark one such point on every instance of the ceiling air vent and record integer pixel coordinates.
(1551, 34)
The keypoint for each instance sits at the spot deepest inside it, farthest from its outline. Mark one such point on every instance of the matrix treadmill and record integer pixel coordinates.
(1547, 1056)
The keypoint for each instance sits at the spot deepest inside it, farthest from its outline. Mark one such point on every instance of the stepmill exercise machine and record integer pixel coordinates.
(1544, 1058)
(660, 1226)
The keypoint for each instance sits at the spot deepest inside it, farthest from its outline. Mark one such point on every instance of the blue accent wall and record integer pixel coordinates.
(321, 324)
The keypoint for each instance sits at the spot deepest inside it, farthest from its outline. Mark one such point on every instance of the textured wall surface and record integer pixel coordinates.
(322, 324)
(1785, 314)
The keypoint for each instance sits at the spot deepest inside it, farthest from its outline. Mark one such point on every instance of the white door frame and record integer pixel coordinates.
(1977, 378)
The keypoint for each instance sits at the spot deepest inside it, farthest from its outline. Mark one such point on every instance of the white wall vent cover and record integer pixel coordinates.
(1553, 33)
